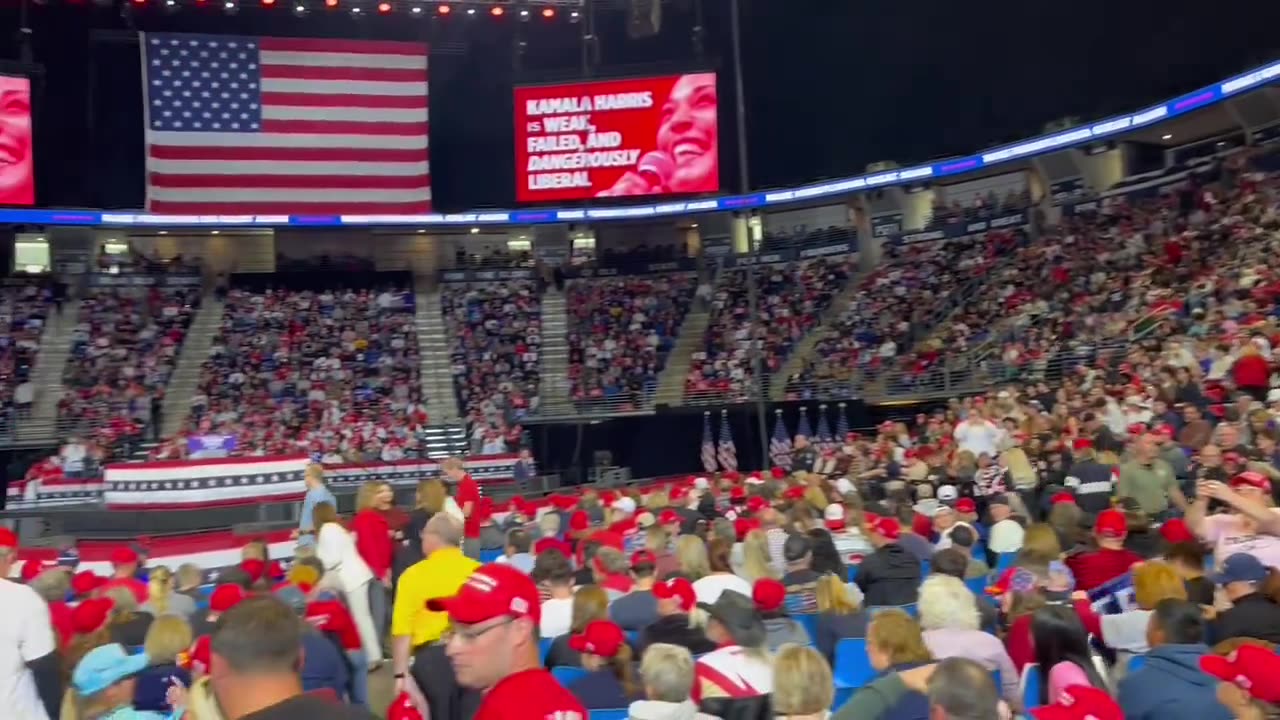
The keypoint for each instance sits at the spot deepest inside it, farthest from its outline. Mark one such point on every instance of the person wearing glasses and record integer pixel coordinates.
(493, 647)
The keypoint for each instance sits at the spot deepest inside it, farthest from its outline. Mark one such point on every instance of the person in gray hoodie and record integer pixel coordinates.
(668, 679)
(1170, 684)
(770, 597)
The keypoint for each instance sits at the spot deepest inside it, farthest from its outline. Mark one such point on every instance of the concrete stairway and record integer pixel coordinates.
(804, 349)
(693, 333)
(191, 357)
(433, 352)
(553, 358)
(55, 348)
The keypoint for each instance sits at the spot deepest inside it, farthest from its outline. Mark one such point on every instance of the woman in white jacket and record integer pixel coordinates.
(336, 550)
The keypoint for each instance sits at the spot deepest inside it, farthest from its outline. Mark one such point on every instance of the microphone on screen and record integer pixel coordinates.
(656, 167)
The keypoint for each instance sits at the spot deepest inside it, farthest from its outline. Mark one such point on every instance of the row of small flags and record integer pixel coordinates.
(724, 454)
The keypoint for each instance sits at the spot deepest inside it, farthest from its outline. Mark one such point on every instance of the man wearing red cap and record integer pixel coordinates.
(29, 681)
(1110, 560)
(890, 575)
(675, 600)
(124, 568)
(770, 597)
(1250, 524)
(1249, 688)
(493, 646)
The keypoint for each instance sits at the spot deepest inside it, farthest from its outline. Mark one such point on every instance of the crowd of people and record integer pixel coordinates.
(496, 335)
(791, 300)
(882, 323)
(333, 372)
(124, 348)
(24, 308)
(620, 332)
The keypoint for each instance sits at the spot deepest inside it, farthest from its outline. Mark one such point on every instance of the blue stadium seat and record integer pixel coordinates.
(977, 586)
(852, 667)
(1004, 561)
(566, 676)
(633, 637)
(810, 624)
(925, 568)
(544, 647)
(852, 573)
(488, 556)
(1031, 687)
(619, 714)
(1137, 662)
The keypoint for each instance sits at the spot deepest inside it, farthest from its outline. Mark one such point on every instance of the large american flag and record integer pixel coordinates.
(728, 451)
(258, 125)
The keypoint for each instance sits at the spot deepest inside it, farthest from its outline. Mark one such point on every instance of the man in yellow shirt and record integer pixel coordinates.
(416, 631)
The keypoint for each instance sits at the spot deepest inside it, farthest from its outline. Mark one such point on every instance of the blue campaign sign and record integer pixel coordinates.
(1073, 137)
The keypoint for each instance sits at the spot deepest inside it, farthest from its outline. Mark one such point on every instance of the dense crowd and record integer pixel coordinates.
(791, 300)
(331, 372)
(881, 324)
(496, 331)
(621, 330)
(123, 351)
(24, 308)
(979, 206)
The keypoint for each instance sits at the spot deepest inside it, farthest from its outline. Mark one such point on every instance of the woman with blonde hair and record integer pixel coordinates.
(375, 541)
(894, 643)
(1126, 632)
(755, 557)
(590, 604)
(839, 616)
(163, 600)
(691, 554)
(168, 638)
(336, 550)
(803, 688)
(952, 628)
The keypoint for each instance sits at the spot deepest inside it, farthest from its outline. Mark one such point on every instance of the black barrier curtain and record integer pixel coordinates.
(670, 441)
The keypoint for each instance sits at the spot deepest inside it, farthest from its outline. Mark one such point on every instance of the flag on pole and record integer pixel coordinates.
(842, 425)
(708, 446)
(824, 440)
(780, 444)
(728, 453)
(803, 428)
(237, 125)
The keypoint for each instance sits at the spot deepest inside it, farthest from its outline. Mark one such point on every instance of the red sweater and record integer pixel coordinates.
(1092, 569)
(373, 541)
(60, 618)
(1251, 371)
(332, 616)
(1022, 650)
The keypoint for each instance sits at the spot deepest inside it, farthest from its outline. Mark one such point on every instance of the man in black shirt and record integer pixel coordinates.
(1091, 481)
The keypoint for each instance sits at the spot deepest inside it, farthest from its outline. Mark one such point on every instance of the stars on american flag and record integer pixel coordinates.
(204, 84)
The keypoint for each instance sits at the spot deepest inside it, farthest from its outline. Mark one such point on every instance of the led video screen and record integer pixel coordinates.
(617, 138)
(17, 159)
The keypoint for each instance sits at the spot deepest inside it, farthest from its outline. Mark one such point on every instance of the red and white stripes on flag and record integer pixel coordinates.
(708, 445)
(285, 126)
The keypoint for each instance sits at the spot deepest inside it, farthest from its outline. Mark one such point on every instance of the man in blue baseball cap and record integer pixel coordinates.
(104, 681)
(1252, 613)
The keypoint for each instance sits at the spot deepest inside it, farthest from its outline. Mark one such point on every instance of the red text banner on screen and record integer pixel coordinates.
(617, 138)
(17, 158)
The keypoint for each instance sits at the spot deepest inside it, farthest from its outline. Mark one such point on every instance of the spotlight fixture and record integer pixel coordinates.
(497, 11)
(331, 3)
(230, 7)
(548, 13)
(444, 10)
(471, 11)
(524, 14)
(416, 9)
(384, 7)
(356, 11)
(299, 9)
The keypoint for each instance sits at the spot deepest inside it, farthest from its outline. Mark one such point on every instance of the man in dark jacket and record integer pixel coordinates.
(676, 600)
(1171, 685)
(890, 575)
(1090, 481)
(1252, 614)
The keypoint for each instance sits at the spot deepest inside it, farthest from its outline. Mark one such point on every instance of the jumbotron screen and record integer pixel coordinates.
(17, 163)
(616, 138)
